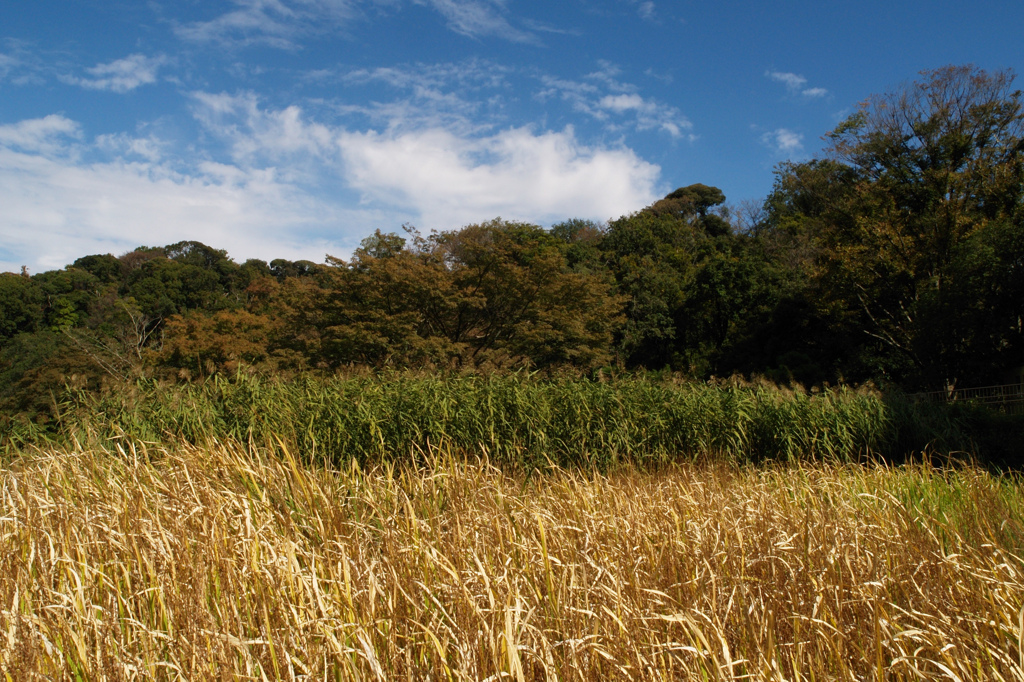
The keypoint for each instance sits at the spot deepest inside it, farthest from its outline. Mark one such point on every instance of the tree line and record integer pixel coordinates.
(897, 256)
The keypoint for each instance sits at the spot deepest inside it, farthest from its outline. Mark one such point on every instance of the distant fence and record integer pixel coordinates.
(1008, 398)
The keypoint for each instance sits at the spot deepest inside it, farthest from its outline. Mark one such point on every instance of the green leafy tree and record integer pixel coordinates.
(691, 281)
(933, 175)
(804, 333)
(104, 267)
(21, 305)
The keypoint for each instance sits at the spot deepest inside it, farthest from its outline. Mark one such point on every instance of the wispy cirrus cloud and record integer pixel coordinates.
(646, 10)
(20, 65)
(472, 74)
(602, 95)
(120, 75)
(7, 64)
(281, 23)
(479, 19)
(466, 96)
(796, 84)
(278, 23)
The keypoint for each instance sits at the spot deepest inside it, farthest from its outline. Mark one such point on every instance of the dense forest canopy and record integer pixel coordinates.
(897, 257)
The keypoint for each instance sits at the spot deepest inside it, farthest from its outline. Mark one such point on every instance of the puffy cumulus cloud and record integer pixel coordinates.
(790, 80)
(442, 176)
(450, 181)
(621, 103)
(120, 75)
(795, 84)
(58, 208)
(784, 142)
(127, 191)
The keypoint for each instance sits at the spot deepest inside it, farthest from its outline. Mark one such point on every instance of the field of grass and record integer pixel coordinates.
(517, 420)
(224, 561)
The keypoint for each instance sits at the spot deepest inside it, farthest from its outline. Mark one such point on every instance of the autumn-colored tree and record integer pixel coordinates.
(199, 344)
(497, 294)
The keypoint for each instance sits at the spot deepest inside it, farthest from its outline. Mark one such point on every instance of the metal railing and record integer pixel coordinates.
(1007, 398)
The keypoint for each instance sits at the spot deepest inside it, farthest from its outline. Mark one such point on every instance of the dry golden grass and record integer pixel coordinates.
(224, 563)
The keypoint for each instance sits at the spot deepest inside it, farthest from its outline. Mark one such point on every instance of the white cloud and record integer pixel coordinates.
(517, 173)
(291, 187)
(795, 84)
(790, 80)
(479, 18)
(663, 77)
(645, 10)
(623, 100)
(256, 136)
(582, 96)
(621, 103)
(19, 65)
(608, 74)
(279, 23)
(46, 136)
(466, 95)
(56, 212)
(122, 144)
(121, 75)
(446, 177)
(58, 208)
(471, 73)
(649, 115)
(7, 64)
(272, 22)
(784, 142)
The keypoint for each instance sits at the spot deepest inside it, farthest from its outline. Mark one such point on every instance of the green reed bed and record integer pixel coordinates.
(512, 419)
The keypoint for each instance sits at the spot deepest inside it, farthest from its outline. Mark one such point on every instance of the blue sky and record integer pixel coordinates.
(294, 128)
